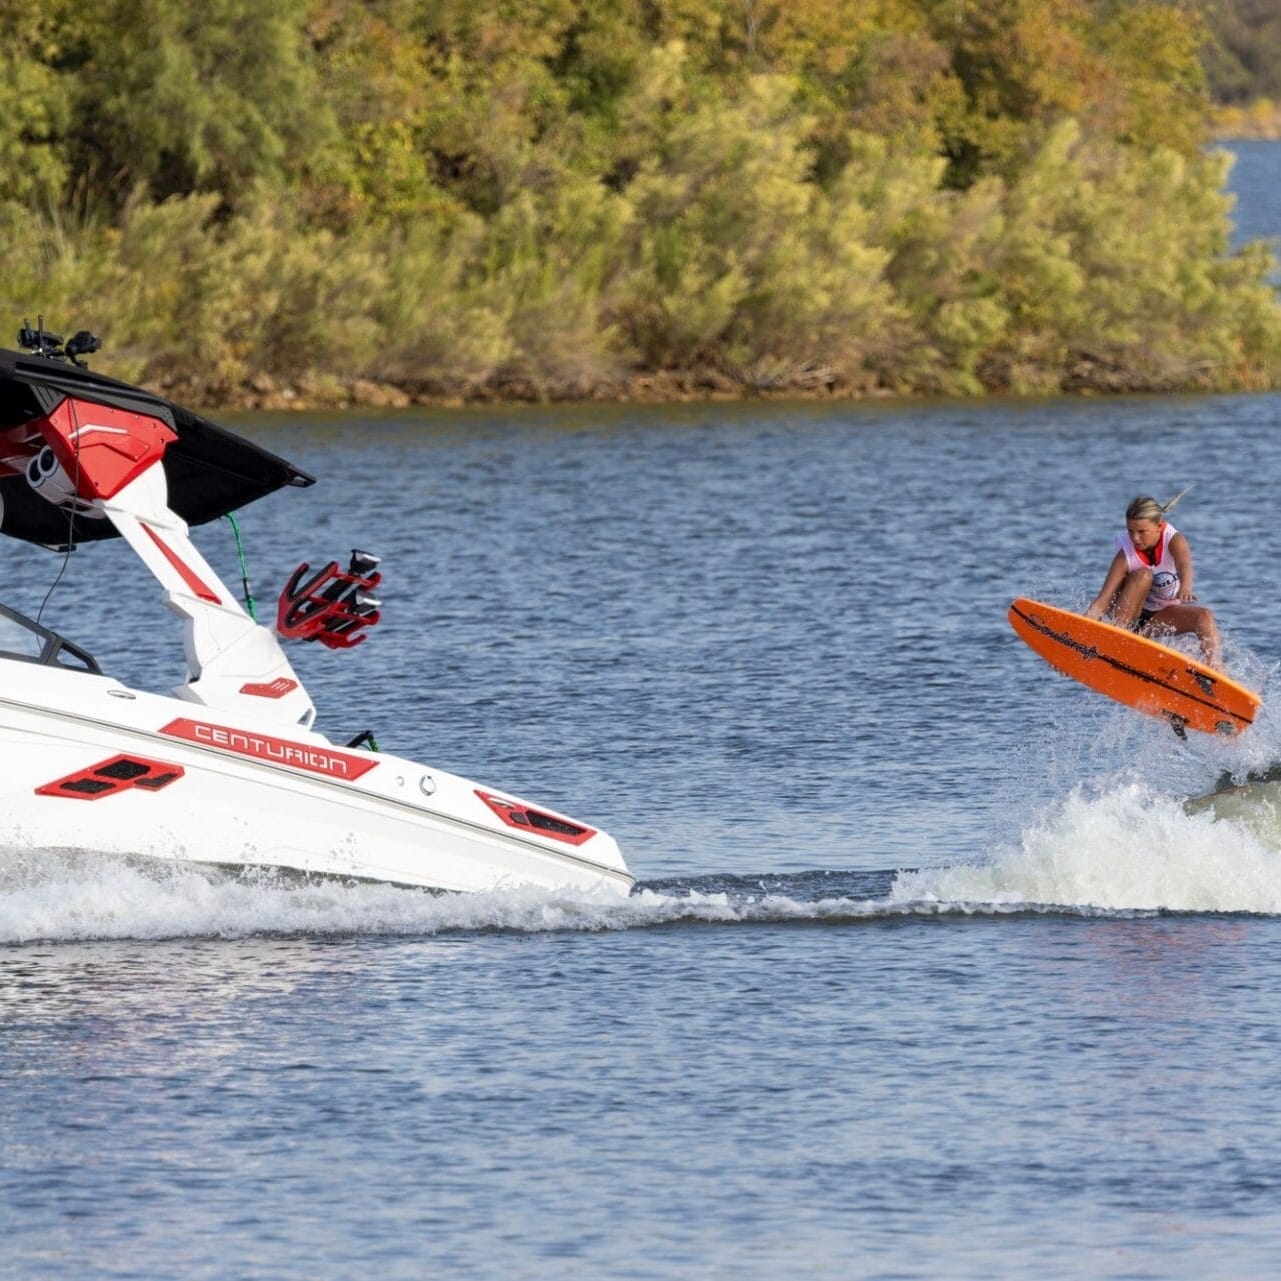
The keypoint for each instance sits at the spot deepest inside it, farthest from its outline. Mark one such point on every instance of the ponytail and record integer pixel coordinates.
(1146, 508)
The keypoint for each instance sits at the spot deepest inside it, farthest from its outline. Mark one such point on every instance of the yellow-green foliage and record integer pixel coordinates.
(928, 195)
(731, 253)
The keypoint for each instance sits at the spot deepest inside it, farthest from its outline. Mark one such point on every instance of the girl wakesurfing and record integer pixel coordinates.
(1148, 587)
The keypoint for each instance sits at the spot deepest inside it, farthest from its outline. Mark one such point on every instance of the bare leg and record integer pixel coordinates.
(1190, 618)
(1128, 602)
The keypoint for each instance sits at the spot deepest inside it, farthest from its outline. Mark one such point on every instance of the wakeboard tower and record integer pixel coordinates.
(228, 769)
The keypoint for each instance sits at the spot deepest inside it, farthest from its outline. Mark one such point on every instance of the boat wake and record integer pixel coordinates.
(1128, 850)
(1123, 852)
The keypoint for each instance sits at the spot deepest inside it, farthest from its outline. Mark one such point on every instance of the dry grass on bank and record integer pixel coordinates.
(1259, 120)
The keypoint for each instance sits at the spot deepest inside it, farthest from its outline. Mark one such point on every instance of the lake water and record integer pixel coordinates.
(929, 972)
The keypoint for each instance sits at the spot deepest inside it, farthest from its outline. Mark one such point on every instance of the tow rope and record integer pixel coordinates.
(244, 568)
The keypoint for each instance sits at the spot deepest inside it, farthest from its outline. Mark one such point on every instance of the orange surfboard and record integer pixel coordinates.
(1134, 670)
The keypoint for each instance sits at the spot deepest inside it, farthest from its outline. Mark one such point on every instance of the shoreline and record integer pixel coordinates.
(1257, 121)
(310, 394)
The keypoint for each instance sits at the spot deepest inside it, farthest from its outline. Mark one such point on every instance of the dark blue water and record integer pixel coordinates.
(1253, 182)
(930, 972)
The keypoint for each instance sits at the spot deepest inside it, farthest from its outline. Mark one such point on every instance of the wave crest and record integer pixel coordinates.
(1127, 849)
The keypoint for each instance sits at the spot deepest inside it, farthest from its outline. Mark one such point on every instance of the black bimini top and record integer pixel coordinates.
(210, 471)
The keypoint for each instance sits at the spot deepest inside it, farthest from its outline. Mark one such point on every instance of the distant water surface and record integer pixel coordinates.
(929, 974)
(1255, 180)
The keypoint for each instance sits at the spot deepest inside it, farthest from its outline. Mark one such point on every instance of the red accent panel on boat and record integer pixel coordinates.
(537, 822)
(264, 747)
(116, 774)
(278, 688)
(189, 576)
(103, 448)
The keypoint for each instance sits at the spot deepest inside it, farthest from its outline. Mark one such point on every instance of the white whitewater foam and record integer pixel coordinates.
(52, 897)
(1128, 849)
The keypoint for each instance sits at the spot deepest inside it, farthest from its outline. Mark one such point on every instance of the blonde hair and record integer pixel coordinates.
(1145, 508)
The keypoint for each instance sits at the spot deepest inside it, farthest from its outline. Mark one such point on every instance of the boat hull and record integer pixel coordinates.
(91, 766)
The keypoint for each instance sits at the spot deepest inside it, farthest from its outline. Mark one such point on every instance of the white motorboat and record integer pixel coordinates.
(227, 770)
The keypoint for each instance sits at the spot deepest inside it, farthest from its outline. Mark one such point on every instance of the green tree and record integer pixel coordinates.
(177, 99)
(34, 106)
(1125, 71)
(927, 195)
(1243, 53)
(736, 258)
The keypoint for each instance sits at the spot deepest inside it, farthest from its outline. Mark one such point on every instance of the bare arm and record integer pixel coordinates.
(1181, 554)
(1111, 585)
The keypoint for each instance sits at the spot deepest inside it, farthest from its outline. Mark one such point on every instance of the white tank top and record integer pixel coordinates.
(1165, 574)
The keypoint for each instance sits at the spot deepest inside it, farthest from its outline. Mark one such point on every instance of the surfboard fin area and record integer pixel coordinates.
(1141, 673)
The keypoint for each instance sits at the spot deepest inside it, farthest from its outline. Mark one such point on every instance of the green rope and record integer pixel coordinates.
(244, 569)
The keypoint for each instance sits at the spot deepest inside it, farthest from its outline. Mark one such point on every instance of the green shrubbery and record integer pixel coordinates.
(555, 195)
